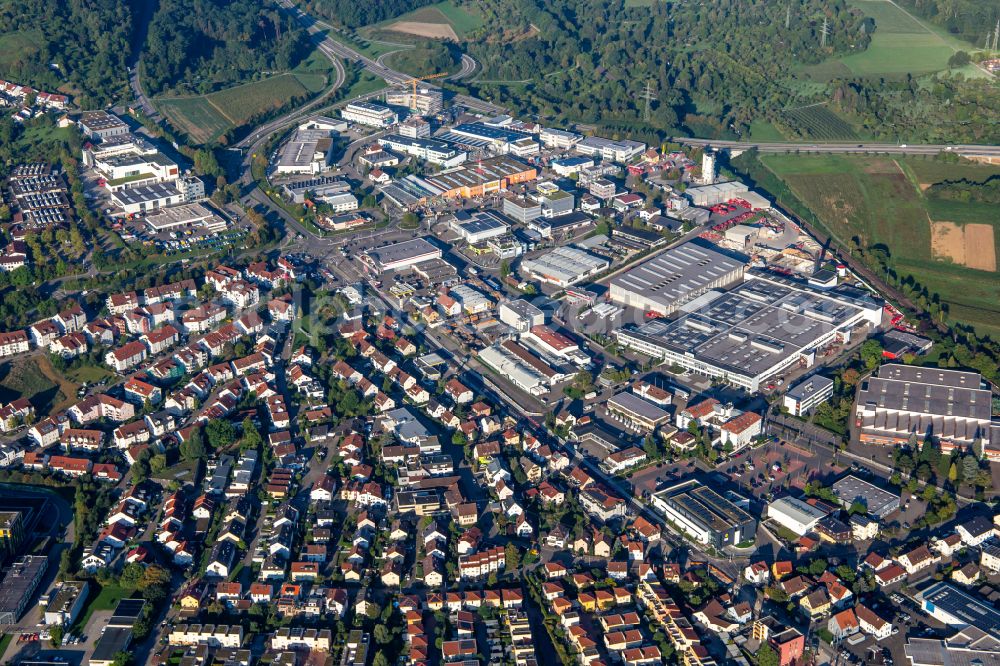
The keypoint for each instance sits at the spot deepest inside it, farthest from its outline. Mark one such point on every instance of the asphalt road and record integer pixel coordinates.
(844, 148)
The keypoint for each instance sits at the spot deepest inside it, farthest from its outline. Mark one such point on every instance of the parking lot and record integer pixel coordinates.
(763, 471)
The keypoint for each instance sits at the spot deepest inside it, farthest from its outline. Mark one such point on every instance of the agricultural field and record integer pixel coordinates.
(949, 247)
(901, 44)
(817, 122)
(205, 118)
(34, 378)
(444, 20)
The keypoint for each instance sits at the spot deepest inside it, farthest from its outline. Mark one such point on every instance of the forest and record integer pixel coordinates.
(354, 14)
(199, 46)
(966, 191)
(79, 47)
(971, 20)
(713, 66)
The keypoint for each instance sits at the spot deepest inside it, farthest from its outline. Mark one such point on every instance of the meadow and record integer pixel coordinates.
(463, 21)
(879, 201)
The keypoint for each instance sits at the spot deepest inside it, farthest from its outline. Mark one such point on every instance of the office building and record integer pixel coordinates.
(704, 515)
(564, 266)
(669, 280)
(879, 503)
(567, 166)
(319, 188)
(521, 208)
(398, 256)
(145, 198)
(559, 139)
(11, 531)
(808, 394)
(615, 151)
(794, 514)
(65, 602)
(754, 332)
(904, 402)
(101, 125)
(366, 113)
(415, 128)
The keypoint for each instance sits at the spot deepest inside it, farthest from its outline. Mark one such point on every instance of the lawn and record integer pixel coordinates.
(761, 130)
(34, 378)
(17, 45)
(88, 373)
(105, 599)
(879, 200)
(461, 19)
(371, 48)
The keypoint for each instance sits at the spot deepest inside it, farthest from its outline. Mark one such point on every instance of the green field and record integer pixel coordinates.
(367, 47)
(421, 61)
(879, 201)
(761, 130)
(818, 122)
(16, 45)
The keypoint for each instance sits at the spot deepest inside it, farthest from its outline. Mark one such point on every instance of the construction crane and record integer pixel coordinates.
(413, 81)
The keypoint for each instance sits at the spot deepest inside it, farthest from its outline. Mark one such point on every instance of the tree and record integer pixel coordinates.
(131, 576)
(382, 634)
(871, 354)
(958, 59)
(380, 659)
(193, 448)
(953, 473)
(220, 433)
(157, 463)
(766, 656)
(512, 556)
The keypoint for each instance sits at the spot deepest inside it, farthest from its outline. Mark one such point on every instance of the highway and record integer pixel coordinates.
(967, 150)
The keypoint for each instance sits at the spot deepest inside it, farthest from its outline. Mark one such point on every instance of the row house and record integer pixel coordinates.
(70, 466)
(176, 291)
(480, 565)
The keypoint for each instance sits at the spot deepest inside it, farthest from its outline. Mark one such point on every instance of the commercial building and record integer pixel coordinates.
(320, 188)
(431, 150)
(11, 526)
(704, 515)
(485, 136)
(515, 367)
(479, 226)
(794, 514)
(485, 177)
(616, 151)
(808, 394)
(306, 152)
(398, 256)
(426, 101)
(366, 113)
(637, 412)
(415, 128)
(146, 197)
(710, 195)
(906, 401)
(117, 634)
(521, 315)
(756, 331)
(521, 208)
(101, 125)
(669, 280)
(19, 585)
(65, 603)
(569, 165)
(564, 266)
(135, 169)
(959, 609)
(969, 647)
(879, 503)
(185, 216)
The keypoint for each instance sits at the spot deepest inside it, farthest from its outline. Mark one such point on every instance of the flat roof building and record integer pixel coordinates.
(521, 315)
(959, 609)
(102, 125)
(616, 151)
(636, 412)
(479, 226)
(906, 401)
(794, 514)
(307, 151)
(18, 586)
(564, 266)
(430, 150)
(667, 281)
(366, 113)
(485, 177)
(710, 195)
(808, 394)
(401, 255)
(754, 332)
(879, 503)
(705, 515)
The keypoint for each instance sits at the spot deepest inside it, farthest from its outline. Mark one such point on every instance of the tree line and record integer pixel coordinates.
(966, 191)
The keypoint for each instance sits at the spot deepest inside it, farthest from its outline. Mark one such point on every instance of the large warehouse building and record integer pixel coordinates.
(705, 515)
(400, 255)
(564, 266)
(669, 280)
(485, 177)
(903, 401)
(756, 331)
(879, 503)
